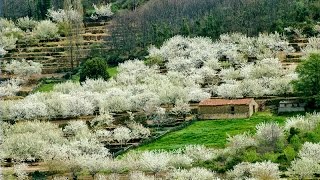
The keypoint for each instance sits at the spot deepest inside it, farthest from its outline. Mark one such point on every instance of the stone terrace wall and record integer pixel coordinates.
(55, 55)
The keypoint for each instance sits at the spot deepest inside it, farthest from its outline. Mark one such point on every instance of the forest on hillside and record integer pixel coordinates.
(159, 20)
(140, 23)
(37, 9)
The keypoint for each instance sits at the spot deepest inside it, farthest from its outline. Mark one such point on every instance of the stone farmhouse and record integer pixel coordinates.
(227, 108)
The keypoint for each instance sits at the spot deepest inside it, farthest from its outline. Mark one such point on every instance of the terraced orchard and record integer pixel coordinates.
(293, 59)
(56, 55)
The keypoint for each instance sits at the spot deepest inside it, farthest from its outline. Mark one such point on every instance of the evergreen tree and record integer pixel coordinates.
(93, 69)
(42, 8)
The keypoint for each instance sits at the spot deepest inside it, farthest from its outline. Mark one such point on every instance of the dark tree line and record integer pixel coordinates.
(37, 9)
(158, 20)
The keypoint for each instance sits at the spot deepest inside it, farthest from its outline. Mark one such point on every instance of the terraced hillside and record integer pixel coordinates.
(291, 60)
(56, 55)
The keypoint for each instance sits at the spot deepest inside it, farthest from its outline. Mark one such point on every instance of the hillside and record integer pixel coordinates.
(159, 89)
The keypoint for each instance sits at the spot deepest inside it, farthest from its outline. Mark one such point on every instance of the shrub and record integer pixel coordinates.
(76, 129)
(26, 23)
(260, 170)
(155, 161)
(2, 51)
(102, 120)
(20, 171)
(179, 160)
(10, 87)
(305, 123)
(66, 16)
(154, 60)
(40, 135)
(296, 142)
(307, 84)
(269, 133)
(66, 87)
(140, 175)
(308, 162)
(102, 11)
(199, 152)
(94, 69)
(193, 173)
(303, 168)
(240, 142)
(138, 131)
(122, 135)
(251, 155)
(46, 30)
(7, 43)
(24, 68)
(290, 153)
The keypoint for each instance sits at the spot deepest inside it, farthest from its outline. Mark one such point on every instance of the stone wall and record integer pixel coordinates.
(238, 109)
(224, 116)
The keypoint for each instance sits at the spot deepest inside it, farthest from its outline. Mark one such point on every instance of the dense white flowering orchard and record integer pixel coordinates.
(29, 31)
(25, 30)
(234, 66)
(197, 69)
(77, 148)
(21, 70)
(46, 139)
(136, 88)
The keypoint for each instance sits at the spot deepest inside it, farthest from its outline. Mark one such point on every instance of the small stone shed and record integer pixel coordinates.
(227, 108)
(291, 106)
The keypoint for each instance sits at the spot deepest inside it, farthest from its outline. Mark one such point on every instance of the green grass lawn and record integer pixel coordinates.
(45, 87)
(211, 133)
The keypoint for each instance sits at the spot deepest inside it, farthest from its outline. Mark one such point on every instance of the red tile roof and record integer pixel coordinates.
(221, 102)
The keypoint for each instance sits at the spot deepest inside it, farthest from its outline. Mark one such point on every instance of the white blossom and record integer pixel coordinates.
(122, 135)
(20, 171)
(77, 129)
(9, 87)
(240, 141)
(103, 10)
(140, 175)
(24, 68)
(66, 87)
(303, 168)
(199, 152)
(308, 162)
(26, 23)
(60, 15)
(154, 161)
(180, 108)
(305, 123)
(193, 173)
(259, 170)
(231, 90)
(105, 119)
(269, 133)
(138, 131)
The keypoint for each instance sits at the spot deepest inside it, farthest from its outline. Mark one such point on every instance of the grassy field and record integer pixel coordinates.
(211, 133)
(46, 87)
